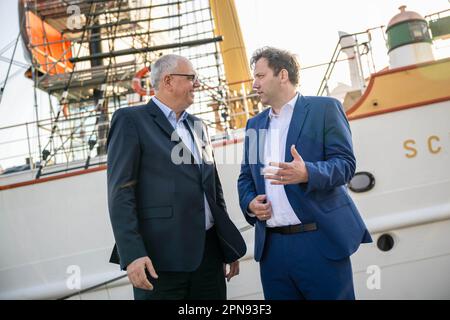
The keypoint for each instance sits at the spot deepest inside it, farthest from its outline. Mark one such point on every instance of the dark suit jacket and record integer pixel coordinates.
(320, 131)
(156, 206)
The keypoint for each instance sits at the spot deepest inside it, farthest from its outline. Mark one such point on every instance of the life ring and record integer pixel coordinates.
(136, 83)
(65, 110)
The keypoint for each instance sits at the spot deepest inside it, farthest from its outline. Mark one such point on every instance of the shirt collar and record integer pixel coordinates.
(169, 113)
(287, 107)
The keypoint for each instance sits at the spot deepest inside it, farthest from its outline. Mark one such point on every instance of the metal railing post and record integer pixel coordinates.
(29, 147)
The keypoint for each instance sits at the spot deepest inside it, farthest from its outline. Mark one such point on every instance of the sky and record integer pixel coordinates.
(308, 29)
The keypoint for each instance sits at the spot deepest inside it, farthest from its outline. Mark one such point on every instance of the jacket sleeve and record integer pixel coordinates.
(122, 177)
(246, 185)
(339, 164)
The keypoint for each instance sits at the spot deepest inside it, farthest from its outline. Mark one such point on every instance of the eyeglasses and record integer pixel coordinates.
(190, 77)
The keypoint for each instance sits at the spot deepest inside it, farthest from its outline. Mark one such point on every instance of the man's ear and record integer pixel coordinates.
(166, 81)
(284, 75)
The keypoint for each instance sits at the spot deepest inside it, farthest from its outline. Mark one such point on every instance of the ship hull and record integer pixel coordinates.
(54, 230)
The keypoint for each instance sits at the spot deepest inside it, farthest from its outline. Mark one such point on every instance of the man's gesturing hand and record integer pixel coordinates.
(261, 207)
(136, 273)
(288, 172)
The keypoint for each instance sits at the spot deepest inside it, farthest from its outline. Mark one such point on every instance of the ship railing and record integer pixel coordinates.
(439, 23)
(362, 46)
(77, 137)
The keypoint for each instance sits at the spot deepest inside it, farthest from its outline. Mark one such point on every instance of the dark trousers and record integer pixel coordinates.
(205, 283)
(292, 268)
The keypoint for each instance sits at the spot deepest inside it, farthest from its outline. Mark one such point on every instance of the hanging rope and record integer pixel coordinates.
(2, 89)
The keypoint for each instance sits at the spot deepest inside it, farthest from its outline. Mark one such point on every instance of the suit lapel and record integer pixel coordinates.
(295, 127)
(161, 120)
(206, 154)
(198, 142)
(262, 128)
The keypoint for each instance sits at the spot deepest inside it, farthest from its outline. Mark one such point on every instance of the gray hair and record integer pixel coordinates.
(165, 64)
(278, 60)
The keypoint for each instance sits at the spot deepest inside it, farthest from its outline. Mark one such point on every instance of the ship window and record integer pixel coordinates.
(385, 242)
(362, 182)
(408, 32)
(419, 30)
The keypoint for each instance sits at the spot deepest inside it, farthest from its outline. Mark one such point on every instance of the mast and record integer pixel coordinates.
(102, 62)
(234, 58)
(95, 47)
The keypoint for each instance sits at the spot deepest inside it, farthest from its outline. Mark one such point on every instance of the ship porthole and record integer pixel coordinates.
(385, 242)
(361, 182)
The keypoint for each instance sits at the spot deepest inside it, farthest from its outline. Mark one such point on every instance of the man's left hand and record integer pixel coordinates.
(288, 172)
(234, 270)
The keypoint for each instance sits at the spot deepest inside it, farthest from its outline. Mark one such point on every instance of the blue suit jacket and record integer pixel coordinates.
(156, 206)
(320, 131)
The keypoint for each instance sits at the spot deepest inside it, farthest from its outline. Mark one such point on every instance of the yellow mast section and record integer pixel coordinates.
(236, 64)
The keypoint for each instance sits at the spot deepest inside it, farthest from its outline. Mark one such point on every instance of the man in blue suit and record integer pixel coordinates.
(298, 157)
(171, 226)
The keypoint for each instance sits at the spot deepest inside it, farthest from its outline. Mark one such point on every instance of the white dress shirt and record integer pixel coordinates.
(274, 151)
(186, 137)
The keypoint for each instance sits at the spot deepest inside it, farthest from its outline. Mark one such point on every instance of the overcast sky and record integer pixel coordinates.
(306, 28)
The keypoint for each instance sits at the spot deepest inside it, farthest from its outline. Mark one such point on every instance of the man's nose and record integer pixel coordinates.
(196, 83)
(255, 84)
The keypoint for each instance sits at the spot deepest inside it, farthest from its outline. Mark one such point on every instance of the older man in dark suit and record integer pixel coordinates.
(167, 210)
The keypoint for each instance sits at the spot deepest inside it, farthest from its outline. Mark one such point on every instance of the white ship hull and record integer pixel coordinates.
(47, 227)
